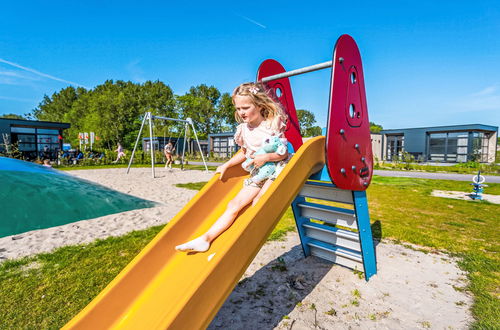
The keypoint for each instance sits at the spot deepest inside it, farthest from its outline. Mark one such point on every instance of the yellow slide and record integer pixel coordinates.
(162, 288)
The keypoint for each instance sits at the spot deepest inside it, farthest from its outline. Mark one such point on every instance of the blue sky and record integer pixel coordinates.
(426, 63)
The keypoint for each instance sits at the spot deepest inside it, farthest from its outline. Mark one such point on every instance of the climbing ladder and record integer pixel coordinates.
(340, 233)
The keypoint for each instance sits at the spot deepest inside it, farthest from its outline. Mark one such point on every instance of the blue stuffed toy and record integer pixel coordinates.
(269, 145)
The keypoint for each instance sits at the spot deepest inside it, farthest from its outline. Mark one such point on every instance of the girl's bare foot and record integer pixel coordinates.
(197, 245)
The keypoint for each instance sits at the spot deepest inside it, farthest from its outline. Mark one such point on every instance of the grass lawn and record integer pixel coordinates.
(46, 290)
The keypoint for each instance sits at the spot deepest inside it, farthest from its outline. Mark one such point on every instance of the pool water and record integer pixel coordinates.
(36, 197)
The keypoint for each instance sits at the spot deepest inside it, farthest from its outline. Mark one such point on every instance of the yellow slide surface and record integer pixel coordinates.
(163, 288)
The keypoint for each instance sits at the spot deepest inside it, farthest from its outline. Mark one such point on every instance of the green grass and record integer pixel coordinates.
(402, 209)
(191, 185)
(46, 290)
(461, 168)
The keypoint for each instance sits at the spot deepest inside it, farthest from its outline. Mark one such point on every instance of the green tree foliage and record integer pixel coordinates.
(210, 112)
(56, 108)
(375, 128)
(11, 116)
(112, 110)
(227, 109)
(307, 121)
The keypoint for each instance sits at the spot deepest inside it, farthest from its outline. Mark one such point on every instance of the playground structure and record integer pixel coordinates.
(478, 186)
(148, 117)
(162, 288)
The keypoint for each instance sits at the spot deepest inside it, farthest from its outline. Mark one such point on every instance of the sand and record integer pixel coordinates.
(282, 289)
(495, 199)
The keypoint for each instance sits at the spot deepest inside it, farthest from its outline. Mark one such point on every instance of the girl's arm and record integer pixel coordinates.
(235, 160)
(260, 160)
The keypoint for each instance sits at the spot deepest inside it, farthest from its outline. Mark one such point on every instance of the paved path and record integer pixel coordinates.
(411, 174)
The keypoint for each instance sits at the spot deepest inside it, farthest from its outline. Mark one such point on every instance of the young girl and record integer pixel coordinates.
(120, 152)
(259, 117)
(168, 150)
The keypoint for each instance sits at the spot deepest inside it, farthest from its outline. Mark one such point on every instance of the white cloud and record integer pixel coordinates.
(38, 73)
(16, 78)
(487, 99)
(486, 91)
(253, 21)
(136, 71)
(8, 98)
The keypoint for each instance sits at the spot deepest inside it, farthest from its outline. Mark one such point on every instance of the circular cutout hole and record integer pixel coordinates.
(353, 77)
(278, 92)
(352, 111)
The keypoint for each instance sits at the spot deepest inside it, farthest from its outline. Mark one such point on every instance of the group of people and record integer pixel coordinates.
(168, 150)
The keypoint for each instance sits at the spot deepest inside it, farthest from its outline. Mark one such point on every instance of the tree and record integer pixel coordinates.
(307, 121)
(56, 107)
(12, 116)
(204, 106)
(226, 111)
(375, 128)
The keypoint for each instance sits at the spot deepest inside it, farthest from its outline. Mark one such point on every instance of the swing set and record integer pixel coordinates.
(188, 123)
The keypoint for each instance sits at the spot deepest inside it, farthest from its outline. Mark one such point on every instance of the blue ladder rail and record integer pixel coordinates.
(339, 234)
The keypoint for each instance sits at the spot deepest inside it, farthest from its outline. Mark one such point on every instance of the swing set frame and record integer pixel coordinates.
(148, 117)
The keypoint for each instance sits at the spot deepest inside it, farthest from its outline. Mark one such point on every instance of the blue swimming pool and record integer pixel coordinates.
(36, 197)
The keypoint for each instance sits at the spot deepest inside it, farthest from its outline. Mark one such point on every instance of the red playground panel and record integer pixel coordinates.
(281, 91)
(349, 156)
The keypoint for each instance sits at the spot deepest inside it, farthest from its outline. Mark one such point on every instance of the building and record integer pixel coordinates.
(33, 138)
(376, 146)
(448, 144)
(222, 145)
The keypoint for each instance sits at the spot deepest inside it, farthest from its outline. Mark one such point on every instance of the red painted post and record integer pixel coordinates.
(348, 143)
(281, 91)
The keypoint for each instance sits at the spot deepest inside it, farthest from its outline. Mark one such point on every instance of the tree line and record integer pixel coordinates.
(114, 111)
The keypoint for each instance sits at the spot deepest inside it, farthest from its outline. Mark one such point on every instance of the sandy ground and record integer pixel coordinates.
(282, 289)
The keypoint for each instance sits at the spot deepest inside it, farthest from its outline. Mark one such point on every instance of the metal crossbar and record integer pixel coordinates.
(173, 119)
(306, 69)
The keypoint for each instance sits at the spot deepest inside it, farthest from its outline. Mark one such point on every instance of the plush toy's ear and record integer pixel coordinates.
(281, 150)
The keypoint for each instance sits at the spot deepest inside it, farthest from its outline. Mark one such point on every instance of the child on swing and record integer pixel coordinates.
(259, 117)
(169, 150)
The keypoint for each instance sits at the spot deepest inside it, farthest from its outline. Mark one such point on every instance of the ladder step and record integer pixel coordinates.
(330, 214)
(326, 191)
(335, 236)
(337, 255)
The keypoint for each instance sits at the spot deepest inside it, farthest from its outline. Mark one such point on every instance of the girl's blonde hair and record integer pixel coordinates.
(270, 110)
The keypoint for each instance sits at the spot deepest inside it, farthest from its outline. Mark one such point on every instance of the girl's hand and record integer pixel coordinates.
(221, 169)
(259, 160)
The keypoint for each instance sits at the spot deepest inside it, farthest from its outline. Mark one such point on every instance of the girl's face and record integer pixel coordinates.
(247, 110)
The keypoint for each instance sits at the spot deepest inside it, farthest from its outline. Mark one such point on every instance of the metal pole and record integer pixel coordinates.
(151, 145)
(135, 146)
(174, 119)
(306, 69)
(184, 146)
(198, 141)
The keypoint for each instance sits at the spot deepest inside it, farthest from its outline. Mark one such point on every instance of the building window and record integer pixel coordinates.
(395, 146)
(36, 142)
(458, 147)
(26, 142)
(223, 146)
(479, 152)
